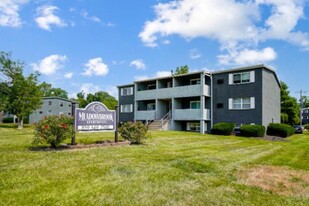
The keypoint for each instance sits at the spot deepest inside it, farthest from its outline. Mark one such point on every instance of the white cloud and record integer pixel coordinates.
(49, 65)
(96, 67)
(195, 54)
(222, 19)
(89, 88)
(9, 15)
(112, 90)
(247, 56)
(236, 25)
(162, 74)
(68, 75)
(138, 64)
(139, 78)
(46, 17)
(158, 74)
(166, 42)
(91, 18)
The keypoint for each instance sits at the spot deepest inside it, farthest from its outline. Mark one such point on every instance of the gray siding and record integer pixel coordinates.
(271, 98)
(222, 93)
(54, 109)
(126, 100)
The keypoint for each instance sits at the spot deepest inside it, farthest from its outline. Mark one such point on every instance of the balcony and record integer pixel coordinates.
(173, 92)
(145, 115)
(191, 114)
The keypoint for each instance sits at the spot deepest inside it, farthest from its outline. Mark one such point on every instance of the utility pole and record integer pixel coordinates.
(301, 92)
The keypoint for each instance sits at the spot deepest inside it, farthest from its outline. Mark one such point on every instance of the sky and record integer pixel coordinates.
(95, 45)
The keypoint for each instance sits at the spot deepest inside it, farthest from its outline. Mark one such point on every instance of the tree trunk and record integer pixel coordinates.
(20, 123)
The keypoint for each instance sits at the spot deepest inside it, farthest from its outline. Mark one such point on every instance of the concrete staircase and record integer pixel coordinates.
(155, 125)
(160, 124)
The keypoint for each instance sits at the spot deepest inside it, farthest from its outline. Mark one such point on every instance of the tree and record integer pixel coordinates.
(305, 102)
(109, 101)
(22, 94)
(49, 91)
(182, 70)
(289, 107)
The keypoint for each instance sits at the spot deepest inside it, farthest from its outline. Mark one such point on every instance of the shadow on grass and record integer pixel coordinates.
(105, 143)
(14, 125)
(8, 125)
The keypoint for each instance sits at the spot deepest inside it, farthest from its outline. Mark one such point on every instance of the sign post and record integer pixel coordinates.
(73, 115)
(117, 122)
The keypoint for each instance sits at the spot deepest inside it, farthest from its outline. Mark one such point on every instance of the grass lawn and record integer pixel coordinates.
(172, 168)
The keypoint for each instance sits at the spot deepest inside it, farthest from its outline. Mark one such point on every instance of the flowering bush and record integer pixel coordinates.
(136, 132)
(53, 130)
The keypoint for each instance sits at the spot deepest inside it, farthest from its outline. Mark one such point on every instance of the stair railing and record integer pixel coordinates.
(151, 119)
(167, 116)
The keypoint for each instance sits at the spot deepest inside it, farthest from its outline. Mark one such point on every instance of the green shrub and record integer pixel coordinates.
(136, 132)
(223, 128)
(306, 126)
(8, 120)
(252, 131)
(281, 130)
(53, 130)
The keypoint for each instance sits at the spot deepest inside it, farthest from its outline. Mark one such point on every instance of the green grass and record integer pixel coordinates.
(172, 168)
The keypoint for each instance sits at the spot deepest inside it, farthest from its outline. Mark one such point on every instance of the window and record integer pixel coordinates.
(241, 78)
(41, 112)
(220, 81)
(169, 84)
(195, 81)
(128, 108)
(49, 112)
(242, 103)
(220, 105)
(61, 104)
(195, 105)
(126, 91)
(193, 126)
(151, 106)
(50, 103)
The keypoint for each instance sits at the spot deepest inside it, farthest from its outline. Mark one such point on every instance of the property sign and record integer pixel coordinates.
(94, 117)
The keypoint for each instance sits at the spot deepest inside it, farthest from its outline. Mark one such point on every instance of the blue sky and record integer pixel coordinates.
(93, 45)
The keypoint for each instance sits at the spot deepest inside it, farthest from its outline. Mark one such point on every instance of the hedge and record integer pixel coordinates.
(306, 126)
(281, 130)
(223, 128)
(252, 131)
(8, 120)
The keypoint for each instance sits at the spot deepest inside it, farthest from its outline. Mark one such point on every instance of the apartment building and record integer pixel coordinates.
(195, 101)
(305, 116)
(53, 106)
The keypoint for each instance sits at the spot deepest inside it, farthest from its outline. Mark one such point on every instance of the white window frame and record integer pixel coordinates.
(126, 91)
(126, 108)
(198, 103)
(242, 81)
(193, 126)
(198, 81)
(243, 105)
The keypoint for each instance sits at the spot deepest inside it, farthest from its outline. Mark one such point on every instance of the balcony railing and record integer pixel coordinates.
(145, 115)
(174, 92)
(191, 114)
